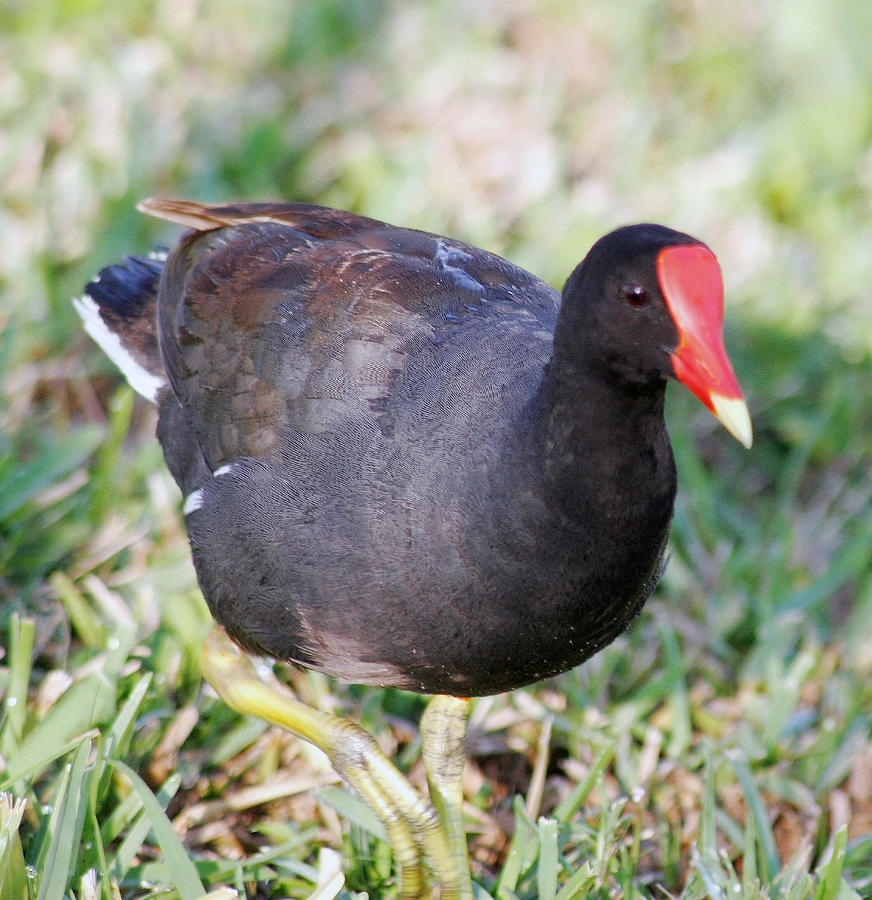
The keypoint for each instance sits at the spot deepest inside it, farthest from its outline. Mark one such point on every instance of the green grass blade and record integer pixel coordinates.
(179, 866)
(86, 703)
(27, 480)
(138, 831)
(21, 636)
(85, 621)
(121, 817)
(13, 872)
(770, 860)
(579, 884)
(547, 871)
(681, 729)
(521, 854)
(830, 885)
(573, 801)
(103, 471)
(120, 730)
(749, 856)
(58, 852)
(353, 810)
(707, 829)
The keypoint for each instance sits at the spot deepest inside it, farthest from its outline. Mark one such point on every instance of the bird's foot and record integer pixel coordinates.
(416, 828)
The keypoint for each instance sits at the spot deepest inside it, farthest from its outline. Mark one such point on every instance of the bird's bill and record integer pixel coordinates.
(690, 279)
(732, 413)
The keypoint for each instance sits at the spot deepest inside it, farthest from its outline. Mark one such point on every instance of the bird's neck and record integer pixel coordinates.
(601, 447)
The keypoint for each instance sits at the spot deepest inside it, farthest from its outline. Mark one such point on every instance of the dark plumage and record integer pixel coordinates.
(405, 462)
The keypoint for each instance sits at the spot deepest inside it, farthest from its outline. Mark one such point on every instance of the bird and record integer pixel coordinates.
(407, 462)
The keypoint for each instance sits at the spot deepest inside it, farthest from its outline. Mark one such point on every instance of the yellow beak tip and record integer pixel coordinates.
(733, 415)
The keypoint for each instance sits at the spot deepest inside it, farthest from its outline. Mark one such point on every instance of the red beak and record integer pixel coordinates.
(690, 280)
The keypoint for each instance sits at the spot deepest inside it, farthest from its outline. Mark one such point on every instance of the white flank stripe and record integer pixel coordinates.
(140, 379)
(223, 470)
(193, 502)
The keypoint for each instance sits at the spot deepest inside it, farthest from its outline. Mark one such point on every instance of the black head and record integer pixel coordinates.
(646, 304)
(614, 311)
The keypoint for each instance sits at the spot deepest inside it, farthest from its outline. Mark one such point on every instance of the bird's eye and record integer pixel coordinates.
(635, 295)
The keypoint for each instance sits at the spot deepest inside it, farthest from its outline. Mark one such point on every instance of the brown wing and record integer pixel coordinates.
(281, 320)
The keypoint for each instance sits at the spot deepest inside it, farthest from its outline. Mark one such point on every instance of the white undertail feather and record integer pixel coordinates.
(140, 379)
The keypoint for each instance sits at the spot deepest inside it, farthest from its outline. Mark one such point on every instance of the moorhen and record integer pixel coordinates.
(407, 462)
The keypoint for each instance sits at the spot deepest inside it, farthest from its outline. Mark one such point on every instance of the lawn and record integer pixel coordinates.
(721, 747)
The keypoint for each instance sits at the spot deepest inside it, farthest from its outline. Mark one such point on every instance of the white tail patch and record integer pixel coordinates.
(139, 378)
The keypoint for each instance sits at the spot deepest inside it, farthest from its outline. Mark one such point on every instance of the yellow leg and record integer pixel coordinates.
(443, 733)
(412, 824)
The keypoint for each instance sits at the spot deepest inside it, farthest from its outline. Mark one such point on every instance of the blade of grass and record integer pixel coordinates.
(607, 833)
(224, 869)
(179, 866)
(87, 702)
(138, 832)
(13, 872)
(707, 828)
(749, 856)
(579, 885)
(230, 743)
(120, 818)
(521, 854)
(546, 873)
(24, 767)
(706, 862)
(681, 730)
(57, 854)
(353, 810)
(85, 621)
(830, 885)
(579, 794)
(103, 470)
(94, 843)
(119, 732)
(21, 636)
(769, 852)
(710, 873)
(24, 481)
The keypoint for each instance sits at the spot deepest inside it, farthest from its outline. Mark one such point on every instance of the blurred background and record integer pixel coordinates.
(723, 744)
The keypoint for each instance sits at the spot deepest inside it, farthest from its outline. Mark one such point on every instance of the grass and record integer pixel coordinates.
(718, 749)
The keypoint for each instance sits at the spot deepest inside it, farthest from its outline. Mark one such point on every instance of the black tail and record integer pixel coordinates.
(126, 290)
(119, 310)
